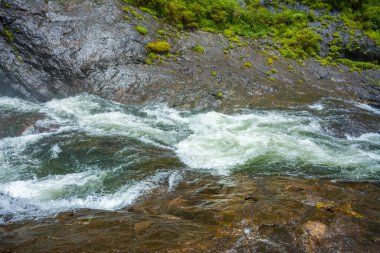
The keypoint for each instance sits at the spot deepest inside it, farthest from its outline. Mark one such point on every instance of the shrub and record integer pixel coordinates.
(141, 29)
(199, 49)
(158, 46)
(152, 56)
(8, 35)
(247, 64)
(161, 32)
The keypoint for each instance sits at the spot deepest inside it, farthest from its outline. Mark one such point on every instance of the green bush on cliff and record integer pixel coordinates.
(8, 35)
(158, 46)
(199, 49)
(141, 29)
(289, 29)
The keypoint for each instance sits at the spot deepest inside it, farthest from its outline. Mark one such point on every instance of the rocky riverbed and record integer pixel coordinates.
(227, 214)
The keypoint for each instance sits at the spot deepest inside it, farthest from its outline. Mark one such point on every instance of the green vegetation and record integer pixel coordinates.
(219, 95)
(8, 35)
(126, 9)
(358, 65)
(213, 73)
(199, 49)
(289, 30)
(141, 29)
(161, 32)
(152, 56)
(158, 47)
(247, 64)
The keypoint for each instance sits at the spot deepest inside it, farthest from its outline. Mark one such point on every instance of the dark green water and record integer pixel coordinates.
(86, 152)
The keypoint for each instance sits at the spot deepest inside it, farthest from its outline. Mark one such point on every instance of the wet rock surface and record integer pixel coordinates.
(64, 48)
(213, 214)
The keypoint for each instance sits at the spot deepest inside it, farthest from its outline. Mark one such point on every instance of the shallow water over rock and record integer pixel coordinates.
(217, 214)
(88, 174)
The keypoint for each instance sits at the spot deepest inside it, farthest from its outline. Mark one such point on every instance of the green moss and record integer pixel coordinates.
(247, 64)
(141, 29)
(147, 10)
(235, 39)
(169, 55)
(148, 61)
(357, 65)
(158, 46)
(270, 61)
(127, 18)
(273, 71)
(135, 13)
(228, 33)
(219, 95)
(8, 35)
(289, 29)
(126, 9)
(6, 5)
(199, 49)
(299, 43)
(161, 32)
(374, 35)
(213, 73)
(152, 56)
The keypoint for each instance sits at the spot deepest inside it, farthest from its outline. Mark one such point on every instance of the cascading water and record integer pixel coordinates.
(87, 152)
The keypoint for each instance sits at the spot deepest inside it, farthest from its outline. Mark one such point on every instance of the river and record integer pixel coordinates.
(84, 160)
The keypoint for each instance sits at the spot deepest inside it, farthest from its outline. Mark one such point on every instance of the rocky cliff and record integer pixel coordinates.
(60, 48)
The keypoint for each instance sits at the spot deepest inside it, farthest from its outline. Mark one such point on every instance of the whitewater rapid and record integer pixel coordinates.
(87, 152)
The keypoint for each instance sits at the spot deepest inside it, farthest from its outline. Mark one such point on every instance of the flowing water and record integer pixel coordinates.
(85, 152)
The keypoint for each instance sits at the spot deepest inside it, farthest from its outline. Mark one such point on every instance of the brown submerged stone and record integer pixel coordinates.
(211, 215)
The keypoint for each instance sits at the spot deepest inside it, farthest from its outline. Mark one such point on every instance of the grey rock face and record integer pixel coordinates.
(65, 48)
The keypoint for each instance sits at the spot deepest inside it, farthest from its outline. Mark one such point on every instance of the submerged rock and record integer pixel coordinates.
(209, 214)
(315, 229)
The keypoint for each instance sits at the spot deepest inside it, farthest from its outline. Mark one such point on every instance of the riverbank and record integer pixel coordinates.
(62, 49)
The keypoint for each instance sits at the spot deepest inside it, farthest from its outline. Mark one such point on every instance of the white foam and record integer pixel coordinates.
(367, 107)
(46, 196)
(47, 188)
(16, 104)
(55, 150)
(211, 141)
(317, 106)
(220, 142)
(174, 179)
(118, 123)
